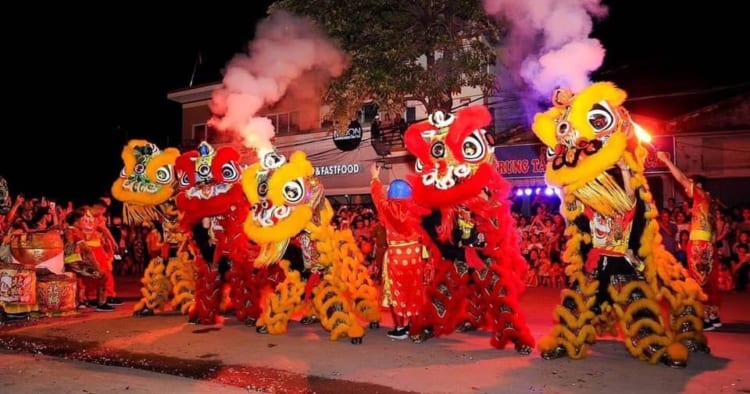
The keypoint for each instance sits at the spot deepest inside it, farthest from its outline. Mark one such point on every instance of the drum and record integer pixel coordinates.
(17, 289)
(33, 249)
(56, 294)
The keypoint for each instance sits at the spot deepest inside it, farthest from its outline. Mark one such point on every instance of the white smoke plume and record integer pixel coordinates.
(286, 49)
(549, 43)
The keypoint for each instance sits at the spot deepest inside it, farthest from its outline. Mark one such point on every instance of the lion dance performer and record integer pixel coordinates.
(209, 187)
(287, 202)
(469, 231)
(618, 272)
(146, 188)
(702, 259)
(403, 273)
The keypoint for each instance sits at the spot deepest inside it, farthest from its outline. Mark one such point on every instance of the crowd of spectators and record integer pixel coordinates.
(540, 232)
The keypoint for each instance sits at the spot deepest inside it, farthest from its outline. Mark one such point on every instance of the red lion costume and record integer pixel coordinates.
(468, 230)
(209, 187)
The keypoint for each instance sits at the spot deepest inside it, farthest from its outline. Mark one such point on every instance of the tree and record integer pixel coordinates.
(386, 39)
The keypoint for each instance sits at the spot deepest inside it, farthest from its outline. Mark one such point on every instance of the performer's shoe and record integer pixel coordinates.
(694, 346)
(522, 349)
(250, 321)
(194, 320)
(399, 333)
(104, 308)
(261, 329)
(309, 320)
(115, 301)
(673, 363)
(555, 353)
(711, 324)
(465, 327)
(426, 334)
(144, 312)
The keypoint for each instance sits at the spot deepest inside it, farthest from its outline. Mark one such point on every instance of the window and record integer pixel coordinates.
(286, 123)
(200, 132)
(215, 137)
(411, 114)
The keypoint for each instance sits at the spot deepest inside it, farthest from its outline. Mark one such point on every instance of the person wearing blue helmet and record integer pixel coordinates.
(403, 288)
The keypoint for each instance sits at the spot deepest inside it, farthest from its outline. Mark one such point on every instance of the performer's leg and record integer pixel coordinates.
(641, 321)
(500, 297)
(155, 290)
(472, 317)
(443, 307)
(334, 311)
(181, 278)
(282, 303)
(573, 328)
(207, 293)
(711, 317)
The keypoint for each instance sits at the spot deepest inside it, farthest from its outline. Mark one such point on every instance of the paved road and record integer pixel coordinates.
(40, 374)
(305, 361)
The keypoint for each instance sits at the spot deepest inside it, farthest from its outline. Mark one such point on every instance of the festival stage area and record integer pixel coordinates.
(305, 361)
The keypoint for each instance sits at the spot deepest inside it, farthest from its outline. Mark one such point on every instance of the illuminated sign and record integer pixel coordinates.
(337, 169)
(349, 139)
(530, 161)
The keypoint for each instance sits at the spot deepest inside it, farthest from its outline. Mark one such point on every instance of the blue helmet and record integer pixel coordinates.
(399, 189)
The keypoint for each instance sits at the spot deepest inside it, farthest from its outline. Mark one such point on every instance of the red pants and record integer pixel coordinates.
(704, 268)
(104, 261)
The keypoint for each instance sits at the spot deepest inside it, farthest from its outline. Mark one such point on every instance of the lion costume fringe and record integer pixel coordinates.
(146, 188)
(618, 272)
(468, 230)
(332, 285)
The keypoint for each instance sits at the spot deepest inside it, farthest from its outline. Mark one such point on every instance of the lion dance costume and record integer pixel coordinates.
(287, 204)
(468, 229)
(618, 272)
(208, 181)
(145, 188)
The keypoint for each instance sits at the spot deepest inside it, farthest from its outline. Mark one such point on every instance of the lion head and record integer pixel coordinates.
(455, 156)
(586, 135)
(146, 180)
(208, 182)
(284, 197)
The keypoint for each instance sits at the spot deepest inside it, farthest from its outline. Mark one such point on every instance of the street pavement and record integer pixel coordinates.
(95, 352)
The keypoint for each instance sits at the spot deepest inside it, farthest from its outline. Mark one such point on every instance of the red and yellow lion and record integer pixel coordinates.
(619, 273)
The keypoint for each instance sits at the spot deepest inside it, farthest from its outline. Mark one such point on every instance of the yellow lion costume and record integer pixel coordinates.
(288, 209)
(146, 189)
(618, 271)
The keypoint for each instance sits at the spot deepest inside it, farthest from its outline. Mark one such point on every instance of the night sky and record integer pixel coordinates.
(81, 81)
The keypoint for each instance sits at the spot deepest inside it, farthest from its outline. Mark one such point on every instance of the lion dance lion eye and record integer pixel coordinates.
(183, 178)
(294, 191)
(164, 174)
(600, 117)
(229, 172)
(473, 147)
